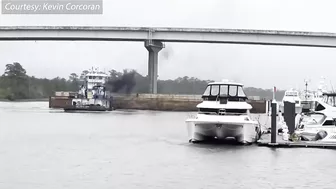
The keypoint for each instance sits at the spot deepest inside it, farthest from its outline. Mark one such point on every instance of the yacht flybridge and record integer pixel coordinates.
(223, 113)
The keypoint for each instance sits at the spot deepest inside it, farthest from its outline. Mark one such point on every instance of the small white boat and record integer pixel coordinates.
(223, 113)
(321, 123)
(317, 126)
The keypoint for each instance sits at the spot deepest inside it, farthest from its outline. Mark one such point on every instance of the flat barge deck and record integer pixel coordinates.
(160, 102)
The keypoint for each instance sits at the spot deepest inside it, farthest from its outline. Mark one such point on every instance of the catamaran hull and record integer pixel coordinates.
(243, 132)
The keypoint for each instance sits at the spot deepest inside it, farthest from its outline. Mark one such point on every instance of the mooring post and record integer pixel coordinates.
(289, 116)
(49, 101)
(110, 103)
(273, 122)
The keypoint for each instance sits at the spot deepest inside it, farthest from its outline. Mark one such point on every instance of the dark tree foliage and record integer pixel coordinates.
(15, 70)
(16, 84)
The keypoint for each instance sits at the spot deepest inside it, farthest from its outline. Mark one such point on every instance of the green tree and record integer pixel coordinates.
(16, 81)
(15, 70)
(83, 74)
(73, 77)
(16, 84)
(114, 74)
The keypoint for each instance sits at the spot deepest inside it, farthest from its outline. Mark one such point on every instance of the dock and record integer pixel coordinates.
(265, 140)
(272, 138)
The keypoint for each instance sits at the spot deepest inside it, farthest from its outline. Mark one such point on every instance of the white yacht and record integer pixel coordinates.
(308, 99)
(321, 90)
(291, 95)
(327, 105)
(92, 95)
(223, 113)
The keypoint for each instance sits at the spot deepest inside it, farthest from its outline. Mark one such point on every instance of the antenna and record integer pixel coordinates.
(332, 87)
(306, 81)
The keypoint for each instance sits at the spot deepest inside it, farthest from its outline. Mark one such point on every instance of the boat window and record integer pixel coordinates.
(214, 90)
(329, 123)
(207, 91)
(241, 91)
(208, 110)
(233, 90)
(100, 77)
(90, 77)
(329, 100)
(319, 107)
(226, 112)
(223, 90)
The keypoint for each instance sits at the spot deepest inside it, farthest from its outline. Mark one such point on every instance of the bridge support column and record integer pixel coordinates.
(153, 47)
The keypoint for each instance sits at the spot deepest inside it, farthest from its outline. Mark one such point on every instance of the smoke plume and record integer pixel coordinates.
(126, 81)
(167, 52)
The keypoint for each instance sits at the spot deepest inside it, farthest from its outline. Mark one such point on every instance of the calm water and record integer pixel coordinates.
(40, 148)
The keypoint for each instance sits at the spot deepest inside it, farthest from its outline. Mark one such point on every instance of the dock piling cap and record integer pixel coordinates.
(291, 100)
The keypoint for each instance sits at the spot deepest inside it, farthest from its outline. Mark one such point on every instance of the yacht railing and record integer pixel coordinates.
(223, 114)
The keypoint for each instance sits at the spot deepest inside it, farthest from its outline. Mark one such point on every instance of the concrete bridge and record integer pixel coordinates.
(153, 38)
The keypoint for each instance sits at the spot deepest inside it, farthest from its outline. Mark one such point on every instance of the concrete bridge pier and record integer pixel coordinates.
(153, 47)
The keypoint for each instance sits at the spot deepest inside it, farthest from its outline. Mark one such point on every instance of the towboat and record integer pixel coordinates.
(92, 96)
(223, 113)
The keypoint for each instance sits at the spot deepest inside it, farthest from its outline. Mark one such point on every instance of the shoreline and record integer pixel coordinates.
(26, 100)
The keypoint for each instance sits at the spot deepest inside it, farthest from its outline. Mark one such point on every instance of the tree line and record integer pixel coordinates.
(15, 84)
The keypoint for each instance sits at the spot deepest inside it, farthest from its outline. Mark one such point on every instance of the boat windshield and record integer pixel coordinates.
(224, 90)
(330, 99)
(313, 119)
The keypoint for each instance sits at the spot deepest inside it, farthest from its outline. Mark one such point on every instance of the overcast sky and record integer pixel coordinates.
(252, 65)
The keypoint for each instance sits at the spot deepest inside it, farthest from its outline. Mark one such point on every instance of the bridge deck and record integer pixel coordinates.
(167, 29)
(198, 35)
